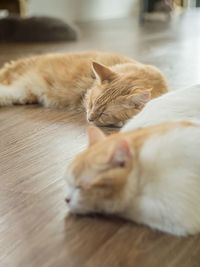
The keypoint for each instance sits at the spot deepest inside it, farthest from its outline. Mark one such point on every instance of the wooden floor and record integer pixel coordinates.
(36, 144)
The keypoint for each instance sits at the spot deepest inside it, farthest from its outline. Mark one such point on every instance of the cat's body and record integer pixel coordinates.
(36, 29)
(111, 91)
(150, 176)
(183, 104)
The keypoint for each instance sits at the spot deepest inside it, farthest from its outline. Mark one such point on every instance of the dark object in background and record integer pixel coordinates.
(166, 6)
(14, 6)
(36, 29)
(155, 6)
(159, 5)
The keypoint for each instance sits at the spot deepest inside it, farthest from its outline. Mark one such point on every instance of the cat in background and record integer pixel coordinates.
(109, 87)
(182, 104)
(150, 176)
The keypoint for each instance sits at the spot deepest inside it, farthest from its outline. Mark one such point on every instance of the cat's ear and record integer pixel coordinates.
(139, 98)
(102, 72)
(121, 154)
(95, 135)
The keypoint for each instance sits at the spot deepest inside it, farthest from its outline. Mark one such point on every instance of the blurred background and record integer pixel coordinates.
(88, 10)
(164, 33)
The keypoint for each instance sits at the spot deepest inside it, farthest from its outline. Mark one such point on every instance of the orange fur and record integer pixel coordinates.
(112, 88)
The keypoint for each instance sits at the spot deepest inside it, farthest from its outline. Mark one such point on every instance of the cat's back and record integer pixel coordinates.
(76, 63)
(169, 150)
(65, 66)
(175, 105)
(170, 155)
(180, 137)
(170, 180)
(76, 58)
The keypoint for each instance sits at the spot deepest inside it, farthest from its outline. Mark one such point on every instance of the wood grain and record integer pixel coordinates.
(36, 144)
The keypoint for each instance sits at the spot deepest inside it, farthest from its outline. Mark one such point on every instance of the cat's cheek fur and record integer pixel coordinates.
(75, 204)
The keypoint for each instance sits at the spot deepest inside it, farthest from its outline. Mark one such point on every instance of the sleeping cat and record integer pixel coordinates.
(109, 87)
(150, 176)
(181, 104)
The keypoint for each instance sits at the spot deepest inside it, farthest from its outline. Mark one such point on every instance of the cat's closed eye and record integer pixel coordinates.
(72, 184)
(103, 114)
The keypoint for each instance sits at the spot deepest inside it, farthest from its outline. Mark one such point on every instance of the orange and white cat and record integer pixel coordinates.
(150, 176)
(109, 87)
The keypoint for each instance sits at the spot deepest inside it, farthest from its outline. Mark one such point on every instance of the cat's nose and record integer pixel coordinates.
(90, 118)
(67, 200)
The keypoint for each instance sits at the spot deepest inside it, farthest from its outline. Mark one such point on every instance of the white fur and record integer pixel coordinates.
(177, 105)
(17, 93)
(169, 183)
(10, 95)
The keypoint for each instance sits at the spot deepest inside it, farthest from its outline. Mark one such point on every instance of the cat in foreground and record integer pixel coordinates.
(109, 87)
(150, 175)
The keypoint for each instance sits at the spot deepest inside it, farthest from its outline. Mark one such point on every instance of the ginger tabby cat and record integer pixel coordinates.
(109, 87)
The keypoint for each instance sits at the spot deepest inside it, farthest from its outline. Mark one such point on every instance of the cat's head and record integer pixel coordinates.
(114, 98)
(97, 179)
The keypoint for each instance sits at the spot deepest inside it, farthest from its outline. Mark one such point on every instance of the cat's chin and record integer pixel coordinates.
(117, 125)
(81, 212)
(78, 209)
